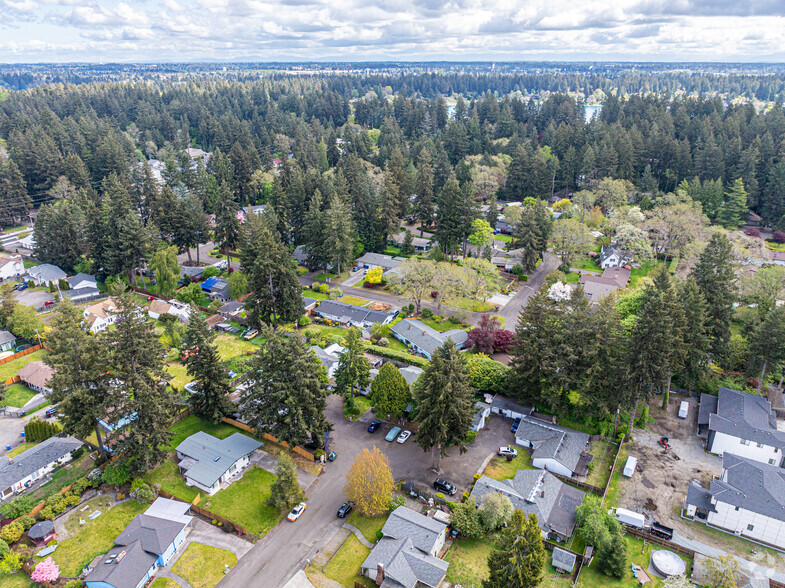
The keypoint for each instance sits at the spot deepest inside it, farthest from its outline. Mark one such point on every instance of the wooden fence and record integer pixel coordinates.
(297, 449)
(13, 380)
(241, 426)
(179, 416)
(27, 351)
(579, 484)
(641, 534)
(613, 469)
(550, 545)
(206, 513)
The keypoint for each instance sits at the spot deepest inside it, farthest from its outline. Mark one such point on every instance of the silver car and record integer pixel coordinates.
(404, 436)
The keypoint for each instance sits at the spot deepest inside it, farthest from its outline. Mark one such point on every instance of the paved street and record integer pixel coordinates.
(513, 308)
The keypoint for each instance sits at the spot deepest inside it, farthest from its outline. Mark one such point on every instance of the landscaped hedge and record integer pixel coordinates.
(397, 355)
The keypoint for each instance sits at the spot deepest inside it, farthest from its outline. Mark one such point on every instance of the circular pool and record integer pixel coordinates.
(667, 563)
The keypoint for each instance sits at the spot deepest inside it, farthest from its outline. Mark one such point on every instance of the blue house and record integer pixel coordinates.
(146, 544)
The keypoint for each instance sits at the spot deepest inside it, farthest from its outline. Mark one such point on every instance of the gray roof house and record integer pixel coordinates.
(405, 556)
(613, 256)
(349, 314)
(81, 280)
(192, 272)
(7, 340)
(19, 472)
(329, 356)
(424, 339)
(507, 407)
(386, 262)
(562, 559)
(742, 424)
(748, 499)
(555, 448)
(84, 294)
(210, 463)
(537, 492)
(45, 274)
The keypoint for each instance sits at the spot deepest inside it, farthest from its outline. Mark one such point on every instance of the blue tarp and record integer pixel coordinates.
(208, 284)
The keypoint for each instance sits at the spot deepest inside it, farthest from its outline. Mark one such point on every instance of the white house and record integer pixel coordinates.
(209, 463)
(19, 472)
(329, 357)
(424, 339)
(555, 448)
(741, 424)
(11, 266)
(45, 274)
(100, 315)
(82, 281)
(482, 411)
(747, 500)
(612, 256)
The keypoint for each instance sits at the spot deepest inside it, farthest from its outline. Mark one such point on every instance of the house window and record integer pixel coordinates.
(737, 508)
(750, 527)
(744, 442)
(760, 445)
(771, 462)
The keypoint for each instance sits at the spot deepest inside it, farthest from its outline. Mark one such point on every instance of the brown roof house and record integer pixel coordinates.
(36, 376)
(597, 287)
(100, 315)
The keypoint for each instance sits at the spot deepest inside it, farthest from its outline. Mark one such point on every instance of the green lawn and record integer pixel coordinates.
(501, 469)
(370, 527)
(15, 229)
(503, 237)
(314, 295)
(345, 565)
(164, 583)
(325, 331)
(468, 560)
(361, 406)
(202, 566)
(471, 304)
(39, 408)
(17, 580)
(10, 369)
(178, 376)
(554, 578)
(168, 477)
(603, 453)
(775, 246)
(585, 262)
(334, 278)
(192, 424)
(21, 448)
(638, 276)
(17, 395)
(439, 325)
(615, 485)
(354, 300)
(96, 536)
(573, 278)
(65, 476)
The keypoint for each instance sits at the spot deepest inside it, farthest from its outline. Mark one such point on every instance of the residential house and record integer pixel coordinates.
(753, 220)
(45, 274)
(406, 555)
(100, 315)
(309, 305)
(42, 533)
(386, 262)
(329, 357)
(554, 448)
(36, 375)
(597, 287)
(209, 463)
(410, 373)
(197, 154)
(158, 308)
(11, 266)
(419, 243)
(19, 472)
(508, 408)
(247, 210)
(232, 309)
(424, 339)
(482, 412)
(7, 341)
(81, 295)
(351, 315)
(217, 289)
(157, 169)
(506, 260)
(82, 281)
(748, 499)
(300, 256)
(537, 492)
(741, 424)
(148, 542)
(192, 272)
(613, 256)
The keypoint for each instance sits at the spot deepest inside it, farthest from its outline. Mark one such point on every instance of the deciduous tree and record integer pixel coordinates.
(369, 483)
(167, 270)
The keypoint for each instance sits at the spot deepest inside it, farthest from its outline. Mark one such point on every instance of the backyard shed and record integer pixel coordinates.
(563, 560)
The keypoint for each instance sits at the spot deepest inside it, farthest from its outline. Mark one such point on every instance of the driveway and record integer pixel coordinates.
(287, 548)
(513, 308)
(34, 298)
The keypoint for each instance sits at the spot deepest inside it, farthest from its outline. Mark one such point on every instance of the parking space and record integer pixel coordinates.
(34, 298)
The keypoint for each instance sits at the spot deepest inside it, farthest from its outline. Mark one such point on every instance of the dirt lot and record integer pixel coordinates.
(659, 486)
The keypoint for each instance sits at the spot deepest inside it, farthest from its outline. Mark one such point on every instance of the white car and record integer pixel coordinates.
(297, 511)
(505, 451)
(404, 436)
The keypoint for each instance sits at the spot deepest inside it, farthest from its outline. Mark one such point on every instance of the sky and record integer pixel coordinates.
(363, 30)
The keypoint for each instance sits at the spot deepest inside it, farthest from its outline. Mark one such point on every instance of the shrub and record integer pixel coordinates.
(12, 561)
(324, 288)
(78, 452)
(11, 532)
(383, 342)
(95, 477)
(37, 430)
(141, 491)
(778, 237)
(315, 286)
(466, 519)
(397, 355)
(397, 501)
(72, 500)
(47, 513)
(304, 321)
(564, 268)
(427, 313)
(524, 278)
(211, 272)
(116, 474)
(26, 521)
(4, 548)
(470, 436)
(477, 477)
(214, 521)
(335, 293)
(318, 454)
(752, 232)
(411, 307)
(74, 584)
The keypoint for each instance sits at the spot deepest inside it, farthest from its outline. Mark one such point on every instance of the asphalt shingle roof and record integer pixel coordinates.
(126, 573)
(34, 459)
(423, 531)
(425, 337)
(214, 456)
(154, 533)
(699, 496)
(348, 312)
(386, 262)
(36, 373)
(500, 402)
(551, 441)
(751, 485)
(6, 337)
(82, 293)
(404, 564)
(746, 416)
(41, 530)
(47, 272)
(563, 559)
(80, 277)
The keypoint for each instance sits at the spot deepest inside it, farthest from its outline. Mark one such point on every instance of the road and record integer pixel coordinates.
(512, 309)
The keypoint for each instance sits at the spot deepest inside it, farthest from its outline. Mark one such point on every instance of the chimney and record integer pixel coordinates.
(410, 325)
(542, 494)
(379, 574)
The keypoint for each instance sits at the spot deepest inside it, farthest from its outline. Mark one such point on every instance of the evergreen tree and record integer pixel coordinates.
(734, 210)
(766, 343)
(390, 392)
(167, 270)
(227, 226)
(287, 397)
(59, 234)
(285, 492)
(443, 397)
(339, 234)
(492, 216)
(519, 562)
(210, 399)
(423, 204)
(16, 202)
(695, 338)
(716, 280)
(612, 557)
(313, 234)
(137, 369)
(353, 370)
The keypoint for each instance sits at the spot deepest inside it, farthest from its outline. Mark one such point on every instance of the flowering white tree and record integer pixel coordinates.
(559, 292)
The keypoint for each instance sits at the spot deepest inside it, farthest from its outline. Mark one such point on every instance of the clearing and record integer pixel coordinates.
(202, 566)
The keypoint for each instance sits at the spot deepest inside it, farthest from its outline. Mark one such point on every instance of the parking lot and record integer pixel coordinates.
(34, 298)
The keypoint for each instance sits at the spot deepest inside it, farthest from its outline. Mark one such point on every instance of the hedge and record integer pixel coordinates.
(397, 355)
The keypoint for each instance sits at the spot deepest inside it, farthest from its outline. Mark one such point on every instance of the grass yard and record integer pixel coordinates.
(164, 583)
(370, 527)
(21, 448)
(65, 476)
(438, 325)
(168, 476)
(774, 246)
(324, 331)
(178, 375)
(39, 408)
(468, 560)
(501, 469)
(599, 471)
(231, 346)
(17, 580)
(10, 369)
(572, 278)
(638, 276)
(615, 485)
(354, 300)
(472, 305)
(554, 578)
(503, 237)
(334, 278)
(202, 566)
(17, 395)
(193, 424)
(15, 229)
(361, 406)
(585, 262)
(345, 565)
(314, 295)
(95, 537)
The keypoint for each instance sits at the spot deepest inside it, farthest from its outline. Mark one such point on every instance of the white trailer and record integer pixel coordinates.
(630, 518)
(684, 408)
(629, 467)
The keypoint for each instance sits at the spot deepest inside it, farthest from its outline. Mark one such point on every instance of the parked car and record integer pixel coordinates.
(150, 298)
(404, 436)
(331, 456)
(454, 534)
(392, 434)
(505, 451)
(515, 424)
(444, 486)
(23, 347)
(50, 412)
(345, 509)
(21, 287)
(374, 425)
(49, 303)
(250, 334)
(296, 512)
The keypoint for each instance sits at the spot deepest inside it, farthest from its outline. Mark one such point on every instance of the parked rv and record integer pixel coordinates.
(630, 518)
(684, 408)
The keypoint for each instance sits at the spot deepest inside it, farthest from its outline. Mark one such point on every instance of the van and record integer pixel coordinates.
(684, 408)
(630, 518)
(392, 434)
(629, 467)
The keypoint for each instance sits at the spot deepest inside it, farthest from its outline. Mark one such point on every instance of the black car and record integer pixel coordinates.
(345, 509)
(445, 486)
(374, 425)
(50, 412)
(515, 424)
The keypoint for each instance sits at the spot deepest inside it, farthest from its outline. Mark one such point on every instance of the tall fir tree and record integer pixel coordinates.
(423, 204)
(716, 279)
(313, 234)
(353, 372)
(339, 234)
(210, 400)
(519, 561)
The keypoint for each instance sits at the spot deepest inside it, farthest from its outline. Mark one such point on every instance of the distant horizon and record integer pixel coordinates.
(412, 61)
